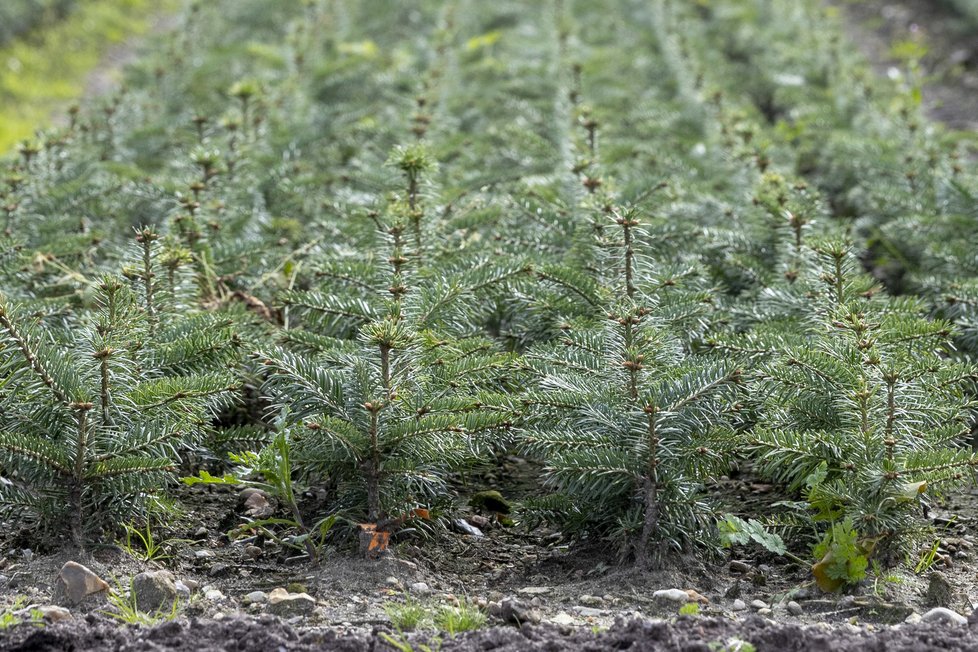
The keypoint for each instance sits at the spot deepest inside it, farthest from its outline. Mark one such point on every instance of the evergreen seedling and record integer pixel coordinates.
(95, 416)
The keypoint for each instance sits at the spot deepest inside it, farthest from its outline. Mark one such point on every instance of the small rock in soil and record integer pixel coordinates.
(766, 611)
(154, 590)
(739, 567)
(738, 605)
(944, 615)
(563, 619)
(218, 569)
(479, 521)
(671, 596)
(287, 605)
(213, 595)
(201, 533)
(589, 612)
(248, 492)
(183, 591)
(912, 619)
(257, 506)
(697, 597)
(590, 600)
(255, 597)
(939, 591)
(420, 588)
(52, 613)
(76, 583)
(758, 604)
(203, 554)
(252, 552)
(794, 608)
(511, 610)
(463, 526)
(534, 590)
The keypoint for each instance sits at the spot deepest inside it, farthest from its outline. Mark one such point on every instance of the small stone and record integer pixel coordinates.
(183, 590)
(764, 612)
(252, 552)
(671, 596)
(514, 611)
(739, 567)
(738, 605)
(697, 597)
(534, 590)
(154, 591)
(201, 532)
(590, 600)
(76, 582)
(193, 585)
(912, 619)
(248, 492)
(479, 521)
(52, 613)
(258, 506)
(939, 591)
(213, 595)
(288, 605)
(214, 570)
(255, 597)
(589, 612)
(203, 554)
(794, 608)
(392, 581)
(420, 588)
(943, 615)
(759, 604)
(564, 619)
(463, 526)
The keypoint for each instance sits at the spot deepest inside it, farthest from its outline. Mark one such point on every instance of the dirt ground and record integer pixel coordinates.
(682, 635)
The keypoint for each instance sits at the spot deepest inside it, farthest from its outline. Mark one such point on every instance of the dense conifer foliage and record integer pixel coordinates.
(631, 242)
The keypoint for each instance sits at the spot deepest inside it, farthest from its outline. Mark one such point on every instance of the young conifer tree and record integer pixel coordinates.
(860, 408)
(97, 411)
(624, 417)
(385, 377)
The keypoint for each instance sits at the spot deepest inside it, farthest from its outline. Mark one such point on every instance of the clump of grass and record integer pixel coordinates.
(465, 617)
(406, 616)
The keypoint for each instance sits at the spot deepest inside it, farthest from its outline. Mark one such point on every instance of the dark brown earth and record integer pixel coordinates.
(266, 634)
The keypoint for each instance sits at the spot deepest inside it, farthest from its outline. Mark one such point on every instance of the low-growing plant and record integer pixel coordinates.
(271, 471)
(464, 617)
(124, 609)
(96, 415)
(406, 616)
(625, 419)
(142, 544)
(20, 612)
(861, 411)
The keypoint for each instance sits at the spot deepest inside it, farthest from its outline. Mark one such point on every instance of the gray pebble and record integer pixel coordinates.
(943, 615)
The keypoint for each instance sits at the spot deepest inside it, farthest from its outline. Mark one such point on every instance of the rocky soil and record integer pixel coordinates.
(536, 590)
